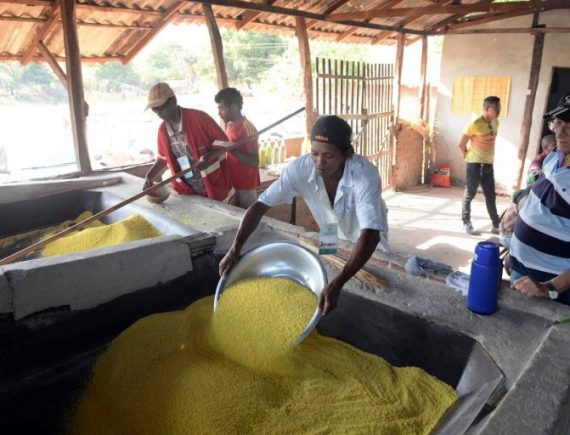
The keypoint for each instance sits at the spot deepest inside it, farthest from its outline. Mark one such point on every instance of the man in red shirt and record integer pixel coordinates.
(185, 140)
(243, 161)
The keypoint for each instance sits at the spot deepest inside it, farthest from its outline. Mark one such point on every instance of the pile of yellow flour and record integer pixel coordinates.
(192, 372)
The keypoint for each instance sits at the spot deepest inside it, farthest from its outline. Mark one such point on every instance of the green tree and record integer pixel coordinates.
(249, 55)
(112, 75)
(10, 76)
(38, 75)
(169, 62)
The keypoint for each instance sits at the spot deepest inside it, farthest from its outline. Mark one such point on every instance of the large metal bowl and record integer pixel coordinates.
(280, 259)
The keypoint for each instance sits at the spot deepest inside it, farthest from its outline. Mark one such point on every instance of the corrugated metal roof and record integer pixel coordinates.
(109, 30)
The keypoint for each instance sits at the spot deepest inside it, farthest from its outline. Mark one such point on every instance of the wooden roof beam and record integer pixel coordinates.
(530, 7)
(353, 30)
(531, 30)
(86, 6)
(312, 23)
(249, 16)
(165, 18)
(50, 59)
(51, 22)
(451, 19)
(384, 35)
(79, 23)
(40, 58)
(487, 18)
(240, 4)
(42, 3)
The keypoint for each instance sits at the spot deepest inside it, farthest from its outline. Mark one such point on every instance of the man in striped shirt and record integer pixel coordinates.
(540, 247)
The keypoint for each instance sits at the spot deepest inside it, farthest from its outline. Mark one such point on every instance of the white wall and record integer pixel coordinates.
(498, 55)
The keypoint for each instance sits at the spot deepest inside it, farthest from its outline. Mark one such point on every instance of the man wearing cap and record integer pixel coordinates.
(540, 246)
(185, 140)
(342, 190)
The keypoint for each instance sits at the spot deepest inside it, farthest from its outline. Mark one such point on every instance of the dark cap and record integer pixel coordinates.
(562, 111)
(332, 130)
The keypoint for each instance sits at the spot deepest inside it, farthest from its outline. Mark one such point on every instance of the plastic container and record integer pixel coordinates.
(485, 279)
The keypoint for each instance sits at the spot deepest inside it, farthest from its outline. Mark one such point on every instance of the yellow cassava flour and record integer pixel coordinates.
(134, 227)
(192, 372)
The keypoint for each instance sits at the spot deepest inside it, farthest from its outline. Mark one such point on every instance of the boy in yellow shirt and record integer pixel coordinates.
(481, 134)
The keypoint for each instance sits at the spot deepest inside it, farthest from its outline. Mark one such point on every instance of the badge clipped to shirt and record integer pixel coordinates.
(328, 242)
(184, 163)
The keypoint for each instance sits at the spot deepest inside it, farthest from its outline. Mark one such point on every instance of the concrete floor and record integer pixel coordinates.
(427, 222)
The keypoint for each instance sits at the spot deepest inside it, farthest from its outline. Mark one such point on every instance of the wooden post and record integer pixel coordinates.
(217, 45)
(305, 54)
(398, 74)
(423, 78)
(529, 104)
(75, 84)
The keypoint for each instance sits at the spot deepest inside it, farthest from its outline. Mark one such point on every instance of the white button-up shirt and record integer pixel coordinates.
(358, 203)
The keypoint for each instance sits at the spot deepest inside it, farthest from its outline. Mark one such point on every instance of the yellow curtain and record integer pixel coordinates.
(470, 91)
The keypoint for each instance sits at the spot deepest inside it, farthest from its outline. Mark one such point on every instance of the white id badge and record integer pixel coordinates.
(328, 242)
(185, 164)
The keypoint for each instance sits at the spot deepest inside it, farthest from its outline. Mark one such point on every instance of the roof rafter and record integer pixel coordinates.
(529, 6)
(41, 33)
(165, 18)
(339, 4)
(249, 16)
(353, 30)
(240, 4)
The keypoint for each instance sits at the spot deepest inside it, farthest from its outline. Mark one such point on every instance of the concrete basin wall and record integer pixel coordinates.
(533, 357)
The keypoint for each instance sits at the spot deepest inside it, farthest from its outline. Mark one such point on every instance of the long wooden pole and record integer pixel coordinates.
(529, 104)
(75, 84)
(398, 72)
(103, 213)
(217, 46)
(423, 77)
(305, 58)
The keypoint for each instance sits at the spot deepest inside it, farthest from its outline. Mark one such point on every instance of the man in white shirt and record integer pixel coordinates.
(343, 192)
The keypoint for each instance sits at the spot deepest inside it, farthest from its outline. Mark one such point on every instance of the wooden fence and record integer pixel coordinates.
(362, 94)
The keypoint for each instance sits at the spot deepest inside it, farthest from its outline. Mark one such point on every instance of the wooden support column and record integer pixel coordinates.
(75, 84)
(423, 78)
(398, 74)
(529, 103)
(53, 64)
(217, 45)
(305, 54)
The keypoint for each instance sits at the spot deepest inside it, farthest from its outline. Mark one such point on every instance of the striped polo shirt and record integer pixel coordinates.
(540, 247)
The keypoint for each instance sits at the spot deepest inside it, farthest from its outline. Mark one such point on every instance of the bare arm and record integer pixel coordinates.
(530, 287)
(463, 144)
(248, 224)
(155, 171)
(365, 245)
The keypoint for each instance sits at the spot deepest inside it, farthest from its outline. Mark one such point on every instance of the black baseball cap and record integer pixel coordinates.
(333, 130)
(562, 111)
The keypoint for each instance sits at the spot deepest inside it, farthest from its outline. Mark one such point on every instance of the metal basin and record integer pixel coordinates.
(285, 260)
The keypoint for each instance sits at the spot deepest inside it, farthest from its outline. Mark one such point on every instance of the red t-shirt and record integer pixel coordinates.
(243, 176)
(200, 130)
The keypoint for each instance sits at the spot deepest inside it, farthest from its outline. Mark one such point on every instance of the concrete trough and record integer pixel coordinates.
(511, 370)
(59, 347)
(27, 215)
